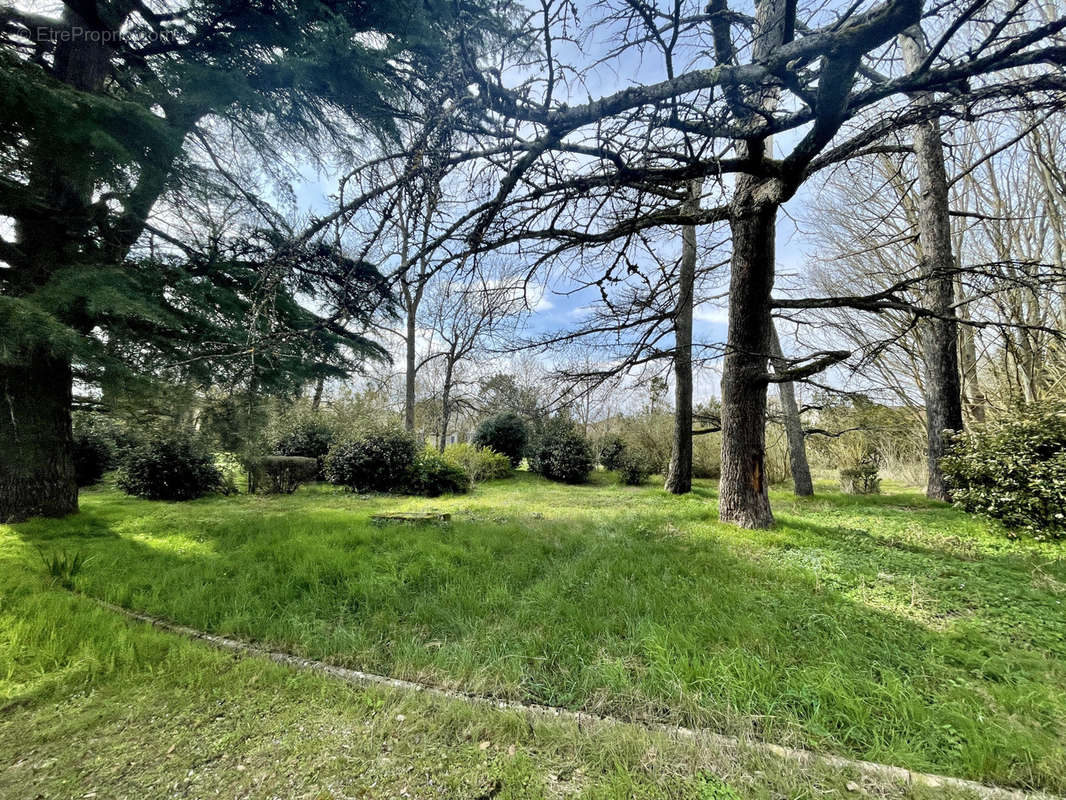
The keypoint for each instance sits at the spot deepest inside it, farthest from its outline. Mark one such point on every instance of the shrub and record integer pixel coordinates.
(375, 462)
(506, 433)
(309, 439)
(172, 467)
(282, 474)
(480, 463)
(612, 452)
(634, 469)
(1014, 470)
(562, 454)
(860, 479)
(433, 476)
(92, 457)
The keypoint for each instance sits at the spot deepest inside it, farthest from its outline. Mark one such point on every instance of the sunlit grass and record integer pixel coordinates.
(887, 628)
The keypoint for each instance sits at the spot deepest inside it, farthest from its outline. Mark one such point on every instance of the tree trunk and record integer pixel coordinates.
(36, 444)
(802, 485)
(445, 404)
(316, 400)
(943, 395)
(409, 373)
(679, 473)
(743, 497)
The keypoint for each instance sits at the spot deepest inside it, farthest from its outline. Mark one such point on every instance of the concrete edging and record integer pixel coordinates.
(796, 755)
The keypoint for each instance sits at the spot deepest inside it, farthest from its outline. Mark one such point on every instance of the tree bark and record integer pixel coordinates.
(36, 444)
(316, 399)
(943, 395)
(445, 403)
(679, 473)
(743, 496)
(409, 371)
(802, 485)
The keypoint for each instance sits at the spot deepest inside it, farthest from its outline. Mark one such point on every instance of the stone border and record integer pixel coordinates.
(795, 755)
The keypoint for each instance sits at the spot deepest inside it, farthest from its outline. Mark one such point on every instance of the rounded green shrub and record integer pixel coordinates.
(860, 479)
(612, 451)
(506, 433)
(480, 463)
(311, 439)
(562, 454)
(174, 467)
(1014, 470)
(433, 475)
(381, 461)
(634, 469)
(92, 457)
(282, 474)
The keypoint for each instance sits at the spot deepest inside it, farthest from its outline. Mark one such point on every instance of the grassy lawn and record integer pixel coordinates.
(885, 628)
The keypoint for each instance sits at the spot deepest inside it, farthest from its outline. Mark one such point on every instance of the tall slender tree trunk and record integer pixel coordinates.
(409, 372)
(316, 399)
(679, 473)
(743, 495)
(446, 403)
(943, 394)
(802, 485)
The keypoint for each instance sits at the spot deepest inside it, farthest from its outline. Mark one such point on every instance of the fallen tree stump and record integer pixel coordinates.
(413, 516)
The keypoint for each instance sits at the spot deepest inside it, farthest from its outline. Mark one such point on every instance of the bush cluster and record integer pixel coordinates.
(174, 467)
(432, 475)
(612, 451)
(281, 474)
(92, 457)
(479, 463)
(506, 433)
(1014, 471)
(634, 469)
(309, 439)
(561, 453)
(380, 461)
(860, 479)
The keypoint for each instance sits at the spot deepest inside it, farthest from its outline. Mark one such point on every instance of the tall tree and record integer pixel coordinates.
(98, 107)
(943, 390)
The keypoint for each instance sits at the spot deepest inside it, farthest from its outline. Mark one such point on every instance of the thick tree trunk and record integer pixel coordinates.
(743, 497)
(802, 484)
(943, 393)
(679, 473)
(36, 458)
(36, 444)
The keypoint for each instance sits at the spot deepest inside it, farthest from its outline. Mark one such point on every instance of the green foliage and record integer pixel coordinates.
(310, 439)
(612, 451)
(282, 474)
(480, 463)
(62, 567)
(433, 475)
(1014, 470)
(506, 433)
(380, 461)
(561, 453)
(860, 479)
(634, 469)
(171, 467)
(92, 457)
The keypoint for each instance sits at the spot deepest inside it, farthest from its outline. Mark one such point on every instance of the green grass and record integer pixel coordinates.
(887, 628)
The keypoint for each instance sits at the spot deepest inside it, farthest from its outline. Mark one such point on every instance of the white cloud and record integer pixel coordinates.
(712, 313)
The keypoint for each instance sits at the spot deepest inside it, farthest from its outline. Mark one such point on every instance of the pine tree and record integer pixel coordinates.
(96, 109)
